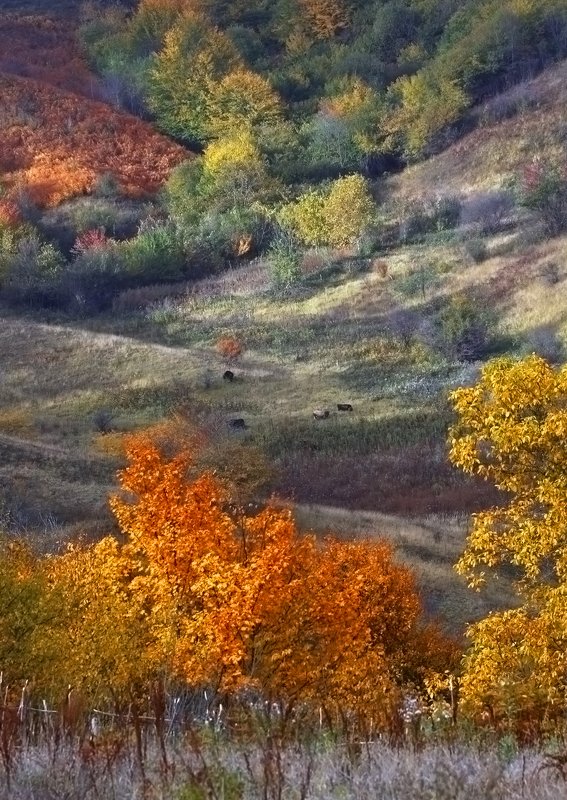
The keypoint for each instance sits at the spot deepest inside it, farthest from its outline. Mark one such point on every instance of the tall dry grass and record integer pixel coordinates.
(203, 766)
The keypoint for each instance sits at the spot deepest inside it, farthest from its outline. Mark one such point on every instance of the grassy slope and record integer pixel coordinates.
(330, 342)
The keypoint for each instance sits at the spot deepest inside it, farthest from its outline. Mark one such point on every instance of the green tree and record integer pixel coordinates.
(242, 98)
(424, 104)
(194, 59)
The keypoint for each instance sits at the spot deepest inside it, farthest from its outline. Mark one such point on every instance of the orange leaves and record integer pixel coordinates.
(204, 594)
(51, 180)
(60, 149)
(9, 213)
(229, 348)
(254, 603)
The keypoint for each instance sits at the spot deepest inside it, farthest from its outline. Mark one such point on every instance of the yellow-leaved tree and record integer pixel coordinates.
(335, 217)
(194, 58)
(511, 430)
(242, 99)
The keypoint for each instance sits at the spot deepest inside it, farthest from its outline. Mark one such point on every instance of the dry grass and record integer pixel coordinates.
(316, 769)
(488, 155)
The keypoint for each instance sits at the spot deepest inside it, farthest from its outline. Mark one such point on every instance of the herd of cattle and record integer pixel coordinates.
(318, 413)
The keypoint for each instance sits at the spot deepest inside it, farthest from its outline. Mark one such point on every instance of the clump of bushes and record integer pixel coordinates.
(429, 215)
(465, 329)
(486, 212)
(543, 187)
(476, 249)
(336, 216)
(284, 261)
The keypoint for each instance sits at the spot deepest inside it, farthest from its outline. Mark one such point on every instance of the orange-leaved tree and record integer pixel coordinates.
(246, 601)
(511, 430)
(204, 594)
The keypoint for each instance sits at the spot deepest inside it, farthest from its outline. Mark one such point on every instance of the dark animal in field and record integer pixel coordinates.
(237, 424)
(344, 407)
(321, 413)
(228, 376)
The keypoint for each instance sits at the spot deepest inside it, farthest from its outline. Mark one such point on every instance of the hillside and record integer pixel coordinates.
(57, 137)
(508, 131)
(122, 295)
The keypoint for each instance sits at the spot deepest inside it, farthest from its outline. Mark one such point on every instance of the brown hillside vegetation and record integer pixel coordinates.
(35, 46)
(54, 141)
(509, 130)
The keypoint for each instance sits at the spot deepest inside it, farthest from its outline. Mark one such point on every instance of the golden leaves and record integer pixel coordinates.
(511, 430)
(205, 594)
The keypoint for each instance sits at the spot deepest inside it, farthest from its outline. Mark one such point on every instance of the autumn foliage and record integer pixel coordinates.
(324, 18)
(60, 148)
(213, 597)
(55, 140)
(511, 431)
(229, 348)
(45, 49)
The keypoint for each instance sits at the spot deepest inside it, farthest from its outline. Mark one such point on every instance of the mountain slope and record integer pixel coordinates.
(56, 138)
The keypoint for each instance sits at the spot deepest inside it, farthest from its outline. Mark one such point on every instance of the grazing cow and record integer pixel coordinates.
(321, 413)
(237, 424)
(344, 407)
(228, 376)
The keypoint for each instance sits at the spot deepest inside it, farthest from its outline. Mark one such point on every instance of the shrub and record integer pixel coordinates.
(106, 186)
(446, 211)
(338, 216)
(305, 217)
(94, 278)
(416, 221)
(284, 261)
(543, 187)
(235, 233)
(155, 254)
(465, 329)
(118, 218)
(405, 324)
(487, 211)
(102, 420)
(348, 210)
(418, 280)
(33, 273)
(89, 240)
(476, 249)
(229, 348)
(545, 343)
(144, 296)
